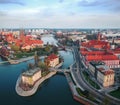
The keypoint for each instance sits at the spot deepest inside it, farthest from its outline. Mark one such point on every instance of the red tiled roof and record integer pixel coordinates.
(52, 57)
(101, 57)
(96, 44)
(106, 72)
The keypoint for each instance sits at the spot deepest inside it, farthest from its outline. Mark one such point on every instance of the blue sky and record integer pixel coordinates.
(60, 13)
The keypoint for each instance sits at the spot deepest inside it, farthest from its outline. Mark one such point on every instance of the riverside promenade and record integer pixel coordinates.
(20, 60)
(22, 92)
(75, 94)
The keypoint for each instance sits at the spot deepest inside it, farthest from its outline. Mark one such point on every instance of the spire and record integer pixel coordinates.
(22, 37)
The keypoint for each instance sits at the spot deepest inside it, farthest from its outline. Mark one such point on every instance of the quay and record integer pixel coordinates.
(22, 92)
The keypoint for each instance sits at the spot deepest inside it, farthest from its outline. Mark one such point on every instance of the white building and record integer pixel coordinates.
(31, 76)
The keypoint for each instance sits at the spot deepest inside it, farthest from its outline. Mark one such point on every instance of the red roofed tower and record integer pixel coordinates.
(22, 37)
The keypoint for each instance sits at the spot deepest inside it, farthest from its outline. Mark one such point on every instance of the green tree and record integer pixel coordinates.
(43, 66)
(47, 48)
(15, 48)
(106, 101)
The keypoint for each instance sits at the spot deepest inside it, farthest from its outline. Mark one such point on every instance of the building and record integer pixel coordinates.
(52, 60)
(103, 74)
(4, 51)
(92, 67)
(97, 44)
(110, 60)
(30, 77)
(25, 42)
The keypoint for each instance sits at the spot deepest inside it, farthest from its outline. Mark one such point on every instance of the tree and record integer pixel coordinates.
(106, 101)
(43, 66)
(30, 66)
(15, 48)
(55, 49)
(47, 48)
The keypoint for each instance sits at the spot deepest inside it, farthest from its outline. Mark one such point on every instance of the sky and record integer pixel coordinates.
(59, 13)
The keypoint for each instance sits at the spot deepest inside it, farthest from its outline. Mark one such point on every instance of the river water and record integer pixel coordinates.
(54, 91)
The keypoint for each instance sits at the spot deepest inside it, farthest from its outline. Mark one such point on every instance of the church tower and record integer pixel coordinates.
(22, 36)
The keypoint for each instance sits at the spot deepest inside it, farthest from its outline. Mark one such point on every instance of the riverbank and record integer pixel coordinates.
(75, 94)
(20, 60)
(23, 60)
(21, 92)
(59, 65)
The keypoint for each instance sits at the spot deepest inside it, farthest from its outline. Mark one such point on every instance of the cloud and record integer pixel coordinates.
(90, 3)
(12, 2)
(61, 1)
(115, 6)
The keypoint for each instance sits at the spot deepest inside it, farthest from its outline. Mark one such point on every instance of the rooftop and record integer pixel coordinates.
(52, 56)
(31, 72)
(104, 69)
(101, 57)
(96, 63)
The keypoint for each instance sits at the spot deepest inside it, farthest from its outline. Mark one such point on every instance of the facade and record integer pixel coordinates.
(103, 74)
(25, 42)
(52, 60)
(92, 67)
(110, 60)
(96, 50)
(31, 76)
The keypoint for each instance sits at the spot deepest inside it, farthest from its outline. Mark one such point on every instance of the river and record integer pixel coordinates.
(54, 91)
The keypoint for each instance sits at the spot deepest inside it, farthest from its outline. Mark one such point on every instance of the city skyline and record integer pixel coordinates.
(60, 13)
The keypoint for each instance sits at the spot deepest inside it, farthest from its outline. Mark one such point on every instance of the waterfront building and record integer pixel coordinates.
(110, 60)
(30, 77)
(92, 67)
(100, 50)
(24, 42)
(52, 60)
(103, 74)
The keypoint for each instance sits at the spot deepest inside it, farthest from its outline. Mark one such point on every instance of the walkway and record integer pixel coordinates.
(60, 70)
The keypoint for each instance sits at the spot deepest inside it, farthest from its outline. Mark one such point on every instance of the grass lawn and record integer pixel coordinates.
(87, 96)
(115, 93)
(95, 85)
(80, 92)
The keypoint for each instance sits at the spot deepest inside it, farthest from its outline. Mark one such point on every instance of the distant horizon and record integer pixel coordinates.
(53, 28)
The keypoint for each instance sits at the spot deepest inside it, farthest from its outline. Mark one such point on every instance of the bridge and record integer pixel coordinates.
(60, 70)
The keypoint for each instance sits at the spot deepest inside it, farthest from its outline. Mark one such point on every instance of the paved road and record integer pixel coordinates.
(78, 76)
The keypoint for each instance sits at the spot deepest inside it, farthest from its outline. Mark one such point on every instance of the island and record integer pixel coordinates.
(29, 80)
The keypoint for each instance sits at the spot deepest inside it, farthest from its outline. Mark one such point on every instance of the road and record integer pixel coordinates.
(78, 76)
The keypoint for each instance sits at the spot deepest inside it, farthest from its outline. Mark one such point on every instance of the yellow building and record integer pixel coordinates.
(31, 76)
(105, 76)
(52, 60)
